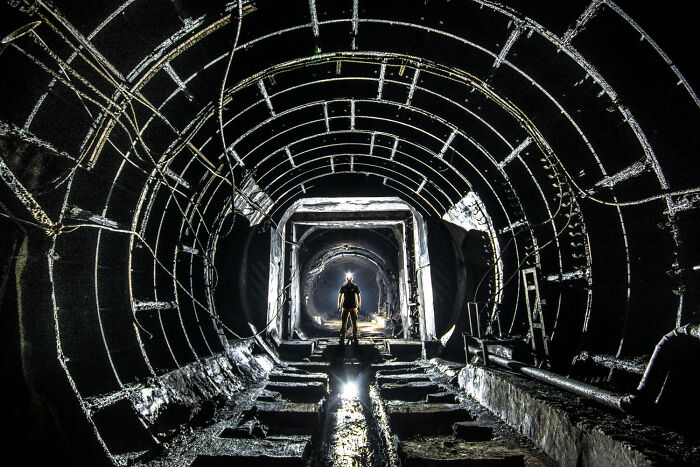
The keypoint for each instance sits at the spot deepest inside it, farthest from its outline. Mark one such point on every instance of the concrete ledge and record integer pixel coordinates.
(192, 394)
(566, 428)
(404, 350)
(296, 350)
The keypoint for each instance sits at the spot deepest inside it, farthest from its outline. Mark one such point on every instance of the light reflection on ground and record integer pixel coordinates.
(350, 443)
(374, 328)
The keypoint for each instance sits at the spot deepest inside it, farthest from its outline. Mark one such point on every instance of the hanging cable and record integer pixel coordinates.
(637, 202)
(220, 107)
(48, 229)
(491, 298)
(73, 227)
(532, 226)
(105, 73)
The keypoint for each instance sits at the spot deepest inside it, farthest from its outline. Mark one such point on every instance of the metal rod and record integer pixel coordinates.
(24, 197)
(51, 9)
(606, 398)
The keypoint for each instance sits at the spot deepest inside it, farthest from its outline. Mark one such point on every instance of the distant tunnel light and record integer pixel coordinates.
(350, 390)
(696, 268)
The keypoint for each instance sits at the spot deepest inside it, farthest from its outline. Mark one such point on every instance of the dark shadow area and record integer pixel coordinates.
(243, 265)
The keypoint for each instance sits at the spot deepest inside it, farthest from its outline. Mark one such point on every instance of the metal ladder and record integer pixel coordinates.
(474, 319)
(538, 331)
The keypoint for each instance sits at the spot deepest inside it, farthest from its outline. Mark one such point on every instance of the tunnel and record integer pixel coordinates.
(513, 186)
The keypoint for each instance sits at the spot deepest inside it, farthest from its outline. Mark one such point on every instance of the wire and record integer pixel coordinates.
(223, 83)
(637, 202)
(492, 297)
(495, 263)
(532, 226)
(644, 200)
(208, 263)
(92, 100)
(220, 109)
(73, 227)
(49, 229)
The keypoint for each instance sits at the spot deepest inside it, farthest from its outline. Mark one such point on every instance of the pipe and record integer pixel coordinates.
(606, 398)
(612, 363)
(671, 352)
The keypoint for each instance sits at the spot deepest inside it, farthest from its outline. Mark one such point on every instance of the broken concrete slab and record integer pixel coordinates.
(401, 371)
(439, 451)
(404, 350)
(446, 397)
(410, 392)
(252, 461)
(191, 394)
(427, 418)
(361, 351)
(311, 391)
(284, 376)
(255, 452)
(402, 378)
(472, 431)
(289, 418)
(268, 396)
(311, 367)
(296, 350)
(249, 429)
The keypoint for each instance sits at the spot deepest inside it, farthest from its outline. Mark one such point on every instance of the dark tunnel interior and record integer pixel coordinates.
(370, 255)
(514, 186)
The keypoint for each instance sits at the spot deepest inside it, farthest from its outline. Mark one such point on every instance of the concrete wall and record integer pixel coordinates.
(567, 428)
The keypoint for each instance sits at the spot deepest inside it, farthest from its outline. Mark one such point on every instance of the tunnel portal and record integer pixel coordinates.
(323, 273)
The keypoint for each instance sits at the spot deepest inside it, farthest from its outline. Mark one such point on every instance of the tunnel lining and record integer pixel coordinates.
(564, 274)
(90, 307)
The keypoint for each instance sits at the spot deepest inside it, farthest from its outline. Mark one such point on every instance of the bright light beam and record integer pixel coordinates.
(350, 390)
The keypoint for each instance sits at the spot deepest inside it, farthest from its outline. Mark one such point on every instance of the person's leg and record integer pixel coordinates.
(353, 317)
(344, 321)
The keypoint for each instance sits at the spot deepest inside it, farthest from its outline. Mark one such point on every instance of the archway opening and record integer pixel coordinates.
(372, 256)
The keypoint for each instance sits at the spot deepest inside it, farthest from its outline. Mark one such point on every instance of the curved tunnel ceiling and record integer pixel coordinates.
(568, 121)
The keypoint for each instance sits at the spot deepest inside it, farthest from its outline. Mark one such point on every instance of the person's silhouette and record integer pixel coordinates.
(349, 302)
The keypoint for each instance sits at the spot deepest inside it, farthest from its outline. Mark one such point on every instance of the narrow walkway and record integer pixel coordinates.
(353, 435)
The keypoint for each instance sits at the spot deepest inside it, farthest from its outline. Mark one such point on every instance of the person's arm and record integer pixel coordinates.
(359, 300)
(340, 299)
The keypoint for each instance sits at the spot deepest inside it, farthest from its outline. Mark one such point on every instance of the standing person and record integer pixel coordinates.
(349, 302)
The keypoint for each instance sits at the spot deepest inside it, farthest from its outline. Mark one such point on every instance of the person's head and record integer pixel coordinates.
(348, 277)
